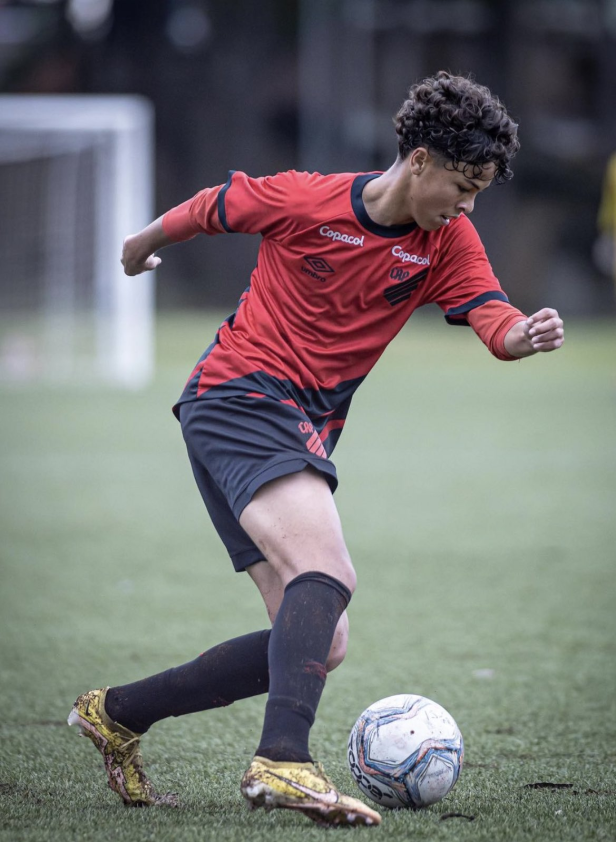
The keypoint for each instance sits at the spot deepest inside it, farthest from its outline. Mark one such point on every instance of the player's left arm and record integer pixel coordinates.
(539, 333)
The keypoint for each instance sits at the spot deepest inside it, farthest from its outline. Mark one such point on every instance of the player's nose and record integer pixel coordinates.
(466, 205)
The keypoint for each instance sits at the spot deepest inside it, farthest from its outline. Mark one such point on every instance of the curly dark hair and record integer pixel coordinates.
(459, 120)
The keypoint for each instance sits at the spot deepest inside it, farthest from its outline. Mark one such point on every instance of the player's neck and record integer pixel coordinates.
(386, 197)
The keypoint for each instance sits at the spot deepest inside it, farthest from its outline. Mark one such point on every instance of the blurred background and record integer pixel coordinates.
(304, 84)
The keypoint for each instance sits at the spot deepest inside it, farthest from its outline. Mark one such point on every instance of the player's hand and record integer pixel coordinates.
(134, 259)
(545, 330)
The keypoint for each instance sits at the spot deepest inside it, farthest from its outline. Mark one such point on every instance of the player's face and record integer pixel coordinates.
(438, 193)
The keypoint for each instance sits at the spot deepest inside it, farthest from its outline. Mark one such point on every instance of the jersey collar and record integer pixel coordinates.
(362, 214)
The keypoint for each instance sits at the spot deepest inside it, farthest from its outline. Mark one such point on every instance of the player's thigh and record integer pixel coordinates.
(254, 450)
(245, 442)
(271, 589)
(293, 520)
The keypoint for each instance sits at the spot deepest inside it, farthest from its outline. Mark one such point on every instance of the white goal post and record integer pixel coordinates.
(76, 176)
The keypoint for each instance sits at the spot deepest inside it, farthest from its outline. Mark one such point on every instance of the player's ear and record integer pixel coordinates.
(418, 159)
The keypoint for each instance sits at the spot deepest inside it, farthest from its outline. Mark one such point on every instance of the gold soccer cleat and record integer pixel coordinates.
(303, 787)
(120, 750)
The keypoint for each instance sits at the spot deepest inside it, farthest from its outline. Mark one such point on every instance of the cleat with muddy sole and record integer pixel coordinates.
(303, 787)
(120, 749)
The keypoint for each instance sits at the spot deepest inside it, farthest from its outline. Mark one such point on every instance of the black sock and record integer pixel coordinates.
(230, 671)
(299, 644)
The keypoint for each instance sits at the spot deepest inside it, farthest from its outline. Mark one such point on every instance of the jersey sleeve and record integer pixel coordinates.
(272, 206)
(491, 322)
(468, 291)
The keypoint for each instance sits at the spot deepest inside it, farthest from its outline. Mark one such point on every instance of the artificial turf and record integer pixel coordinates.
(478, 503)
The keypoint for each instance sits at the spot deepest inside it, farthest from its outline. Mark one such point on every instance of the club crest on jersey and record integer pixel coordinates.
(406, 286)
(405, 257)
(337, 236)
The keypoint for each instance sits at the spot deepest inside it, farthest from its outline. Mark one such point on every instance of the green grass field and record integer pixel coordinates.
(478, 500)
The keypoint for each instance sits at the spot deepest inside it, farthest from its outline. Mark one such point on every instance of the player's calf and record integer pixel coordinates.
(338, 650)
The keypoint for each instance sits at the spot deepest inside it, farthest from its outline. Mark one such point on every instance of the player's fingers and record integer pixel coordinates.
(152, 262)
(544, 337)
(542, 315)
(130, 269)
(549, 335)
(548, 345)
(546, 326)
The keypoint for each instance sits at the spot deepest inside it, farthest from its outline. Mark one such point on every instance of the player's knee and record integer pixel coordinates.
(339, 645)
(346, 573)
(338, 566)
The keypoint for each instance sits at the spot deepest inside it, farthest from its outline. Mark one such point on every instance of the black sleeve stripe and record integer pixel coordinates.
(455, 315)
(222, 211)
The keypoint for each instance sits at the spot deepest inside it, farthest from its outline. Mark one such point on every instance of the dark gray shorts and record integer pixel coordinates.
(235, 446)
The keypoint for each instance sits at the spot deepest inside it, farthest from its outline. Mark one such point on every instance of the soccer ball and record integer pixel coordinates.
(405, 751)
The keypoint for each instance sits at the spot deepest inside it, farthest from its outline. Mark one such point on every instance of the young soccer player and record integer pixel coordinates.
(344, 261)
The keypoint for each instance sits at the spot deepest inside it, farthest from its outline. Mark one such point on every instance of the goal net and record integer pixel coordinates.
(75, 179)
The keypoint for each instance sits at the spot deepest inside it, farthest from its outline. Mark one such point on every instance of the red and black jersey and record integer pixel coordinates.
(331, 287)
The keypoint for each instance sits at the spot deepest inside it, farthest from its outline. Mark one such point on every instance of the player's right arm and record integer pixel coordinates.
(271, 206)
(197, 215)
(138, 251)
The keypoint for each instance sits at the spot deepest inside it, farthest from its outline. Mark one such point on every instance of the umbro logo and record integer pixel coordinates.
(319, 264)
(318, 267)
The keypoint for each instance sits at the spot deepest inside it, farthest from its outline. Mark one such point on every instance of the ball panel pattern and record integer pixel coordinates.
(405, 751)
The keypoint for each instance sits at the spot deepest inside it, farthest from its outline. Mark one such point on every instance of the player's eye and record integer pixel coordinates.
(463, 189)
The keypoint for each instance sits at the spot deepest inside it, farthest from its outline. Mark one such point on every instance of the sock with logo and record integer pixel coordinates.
(224, 674)
(299, 645)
